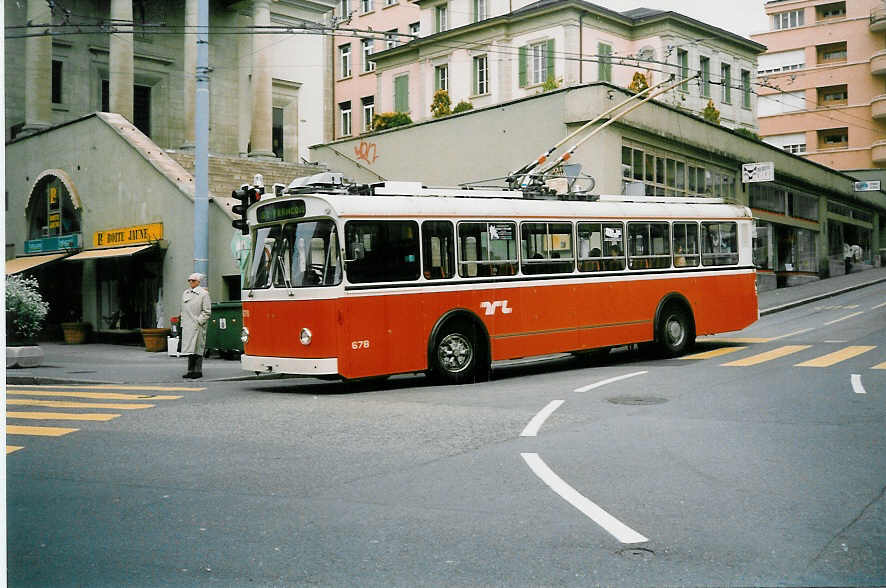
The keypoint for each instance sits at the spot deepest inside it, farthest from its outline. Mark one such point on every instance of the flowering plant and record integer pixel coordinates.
(25, 308)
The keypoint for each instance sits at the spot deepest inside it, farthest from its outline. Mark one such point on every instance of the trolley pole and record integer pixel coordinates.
(201, 144)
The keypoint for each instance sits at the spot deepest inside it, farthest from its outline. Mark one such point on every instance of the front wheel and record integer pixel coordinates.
(675, 332)
(456, 355)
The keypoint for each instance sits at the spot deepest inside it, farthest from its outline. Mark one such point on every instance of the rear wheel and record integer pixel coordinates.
(676, 333)
(456, 355)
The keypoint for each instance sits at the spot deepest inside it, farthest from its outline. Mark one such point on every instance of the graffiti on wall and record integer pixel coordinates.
(366, 151)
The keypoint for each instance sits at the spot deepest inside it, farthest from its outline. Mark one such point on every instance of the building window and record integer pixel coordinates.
(368, 64)
(366, 5)
(392, 39)
(704, 64)
(414, 28)
(56, 81)
(481, 75)
(781, 61)
(726, 82)
(604, 67)
(344, 60)
(666, 174)
(536, 62)
(833, 138)
(344, 8)
(344, 109)
(401, 93)
(441, 77)
(745, 88)
(787, 20)
(368, 112)
(440, 18)
(831, 53)
(830, 11)
(390, 2)
(277, 131)
(479, 10)
(683, 63)
(833, 95)
(51, 211)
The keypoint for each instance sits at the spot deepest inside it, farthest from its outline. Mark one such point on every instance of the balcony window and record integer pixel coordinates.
(831, 53)
(787, 20)
(830, 11)
(833, 96)
(833, 138)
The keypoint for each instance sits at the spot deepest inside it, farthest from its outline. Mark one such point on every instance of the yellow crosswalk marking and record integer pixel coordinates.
(713, 353)
(61, 416)
(38, 431)
(13, 448)
(96, 395)
(880, 366)
(768, 355)
(737, 340)
(113, 387)
(837, 356)
(64, 404)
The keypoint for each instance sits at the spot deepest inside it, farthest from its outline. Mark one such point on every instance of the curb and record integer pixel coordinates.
(803, 301)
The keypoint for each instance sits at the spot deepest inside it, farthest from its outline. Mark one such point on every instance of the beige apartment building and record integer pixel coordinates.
(823, 96)
(355, 86)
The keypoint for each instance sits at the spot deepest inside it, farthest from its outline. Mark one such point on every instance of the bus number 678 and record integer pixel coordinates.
(364, 344)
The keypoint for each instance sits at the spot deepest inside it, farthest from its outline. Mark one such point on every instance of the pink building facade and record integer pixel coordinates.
(394, 22)
(824, 81)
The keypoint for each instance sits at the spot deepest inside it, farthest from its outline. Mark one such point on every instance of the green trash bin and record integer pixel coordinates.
(223, 335)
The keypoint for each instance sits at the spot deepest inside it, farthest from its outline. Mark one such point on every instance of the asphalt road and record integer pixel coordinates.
(634, 471)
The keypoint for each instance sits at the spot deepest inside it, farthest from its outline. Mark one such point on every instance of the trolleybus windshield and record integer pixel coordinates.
(295, 255)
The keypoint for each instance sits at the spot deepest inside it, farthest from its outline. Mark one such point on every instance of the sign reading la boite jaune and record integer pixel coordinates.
(128, 235)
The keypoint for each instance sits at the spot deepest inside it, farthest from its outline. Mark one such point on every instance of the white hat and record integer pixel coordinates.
(195, 276)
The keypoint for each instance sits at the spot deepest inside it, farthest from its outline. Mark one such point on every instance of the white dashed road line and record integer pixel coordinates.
(539, 419)
(856, 384)
(609, 381)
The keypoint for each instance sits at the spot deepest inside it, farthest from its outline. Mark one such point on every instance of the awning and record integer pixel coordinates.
(113, 252)
(20, 264)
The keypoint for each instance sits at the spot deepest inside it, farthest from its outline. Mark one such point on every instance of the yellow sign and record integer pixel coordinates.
(55, 220)
(128, 235)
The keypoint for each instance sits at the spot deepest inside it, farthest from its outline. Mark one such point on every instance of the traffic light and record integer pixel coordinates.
(245, 195)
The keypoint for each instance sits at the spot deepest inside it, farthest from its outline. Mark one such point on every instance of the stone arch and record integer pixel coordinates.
(46, 217)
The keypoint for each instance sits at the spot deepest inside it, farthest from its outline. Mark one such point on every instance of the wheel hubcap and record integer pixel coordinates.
(455, 353)
(675, 331)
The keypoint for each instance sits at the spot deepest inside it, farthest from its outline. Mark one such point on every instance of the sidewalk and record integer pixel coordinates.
(122, 364)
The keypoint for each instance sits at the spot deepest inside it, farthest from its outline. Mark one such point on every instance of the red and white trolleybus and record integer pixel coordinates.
(392, 278)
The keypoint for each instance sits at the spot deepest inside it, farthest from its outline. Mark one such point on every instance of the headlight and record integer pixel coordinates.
(244, 334)
(305, 336)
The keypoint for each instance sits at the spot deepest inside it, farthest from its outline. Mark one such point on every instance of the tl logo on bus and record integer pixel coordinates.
(491, 306)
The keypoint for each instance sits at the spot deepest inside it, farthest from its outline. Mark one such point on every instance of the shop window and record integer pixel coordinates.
(831, 53)
(830, 11)
(833, 95)
(803, 206)
(833, 138)
(762, 245)
(51, 211)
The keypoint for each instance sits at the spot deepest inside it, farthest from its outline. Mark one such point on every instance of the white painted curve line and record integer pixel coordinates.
(539, 419)
(881, 305)
(856, 384)
(609, 523)
(609, 381)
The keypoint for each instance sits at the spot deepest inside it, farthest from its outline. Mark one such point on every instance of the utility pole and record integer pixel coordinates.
(201, 144)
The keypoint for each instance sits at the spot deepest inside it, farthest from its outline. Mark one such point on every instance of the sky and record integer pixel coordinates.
(743, 17)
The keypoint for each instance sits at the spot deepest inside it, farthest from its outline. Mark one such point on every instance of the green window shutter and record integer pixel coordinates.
(549, 57)
(523, 52)
(401, 94)
(604, 69)
(476, 84)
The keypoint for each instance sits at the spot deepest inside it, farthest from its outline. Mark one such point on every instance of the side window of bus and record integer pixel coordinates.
(601, 247)
(261, 264)
(686, 244)
(487, 249)
(438, 249)
(381, 251)
(649, 245)
(719, 243)
(546, 248)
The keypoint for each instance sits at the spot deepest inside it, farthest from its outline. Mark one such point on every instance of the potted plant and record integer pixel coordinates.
(75, 331)
(25, 312)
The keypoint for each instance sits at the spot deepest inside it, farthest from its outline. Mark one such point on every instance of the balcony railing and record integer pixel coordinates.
(878, 63)
(878, 19)
(878, 107)
(878, 151)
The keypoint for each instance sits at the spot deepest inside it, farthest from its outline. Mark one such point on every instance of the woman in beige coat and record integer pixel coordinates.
(196, 309)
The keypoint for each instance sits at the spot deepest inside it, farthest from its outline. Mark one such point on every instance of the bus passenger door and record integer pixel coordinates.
(364, 345)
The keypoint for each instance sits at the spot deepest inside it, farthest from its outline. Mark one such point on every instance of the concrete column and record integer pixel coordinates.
(120, 64)
(262, 122)
(38, 72)
(190, 66)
